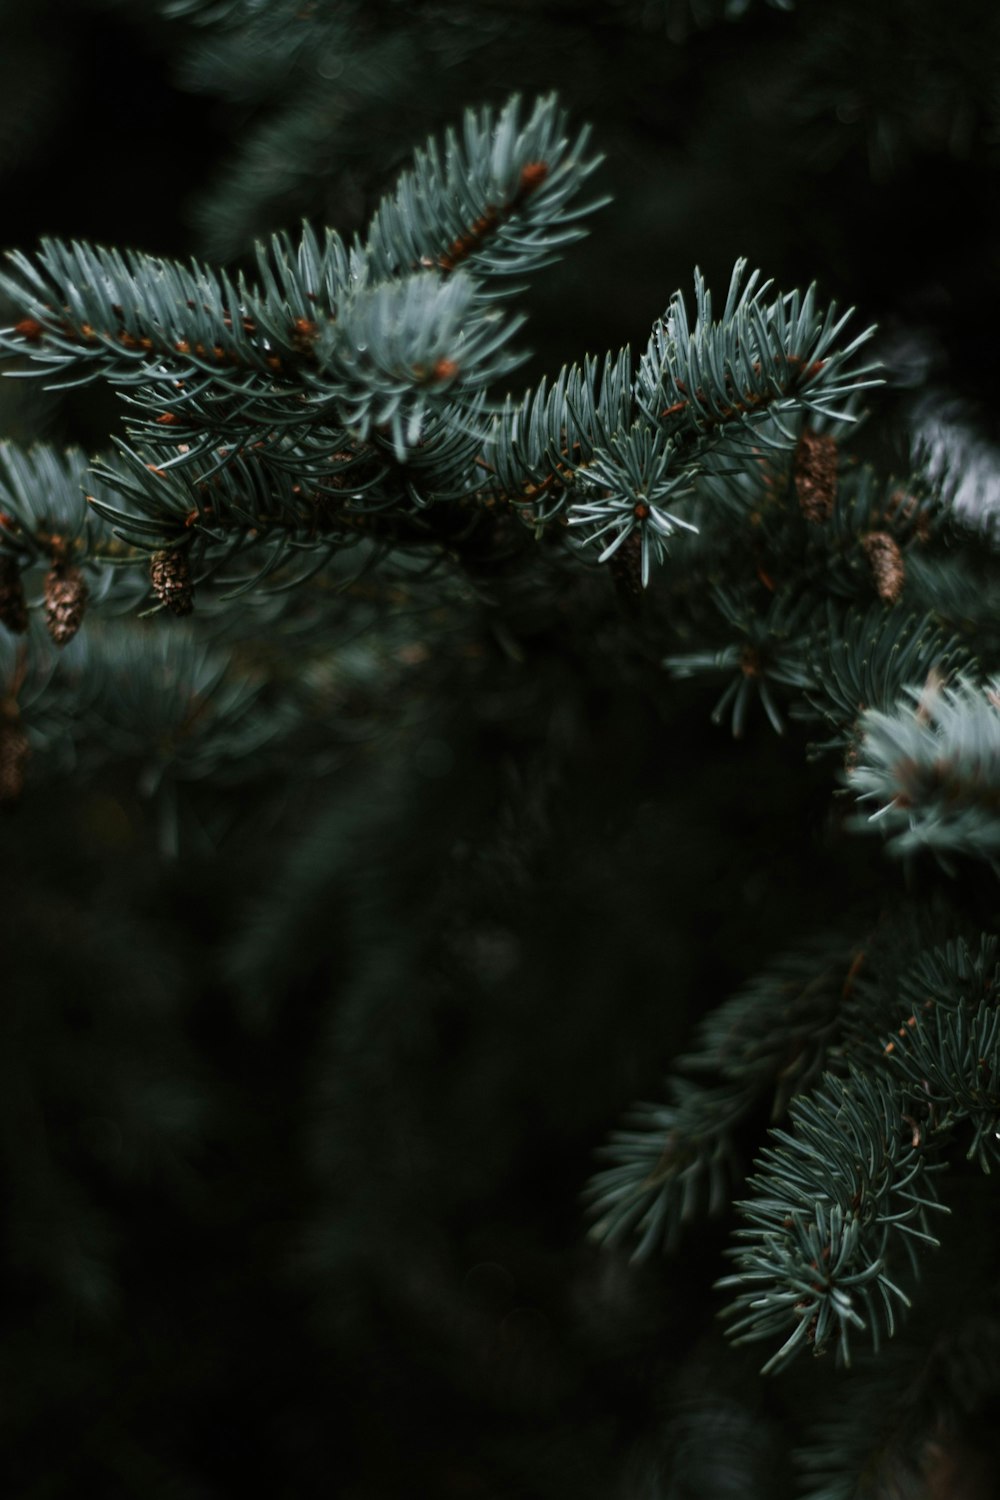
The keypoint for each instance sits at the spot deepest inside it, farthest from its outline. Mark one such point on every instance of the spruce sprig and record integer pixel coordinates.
(867, 659)
(495, 198)
(842, 1200)
(368, 368)
(676, 1160)
(932, 768)
(946, 1052)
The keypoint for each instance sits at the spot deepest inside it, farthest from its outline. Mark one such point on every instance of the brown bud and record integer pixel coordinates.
(170, 576)
(533, 174)
(886, 563)
(65, 601)
(13, 609)
(815, 475)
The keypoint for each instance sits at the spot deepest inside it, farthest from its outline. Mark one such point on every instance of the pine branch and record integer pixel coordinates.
(768, 654)
(164, 700)
(847, 1189)
(537, 442)
(759, 359)
(932, 767)
(867, 660)
(842, 1200)
(627, 490)
(678, 1160)
(947, 1050)
(335, 352)
(753, 374)
(496, 200)
(42, 515)
(245, 363)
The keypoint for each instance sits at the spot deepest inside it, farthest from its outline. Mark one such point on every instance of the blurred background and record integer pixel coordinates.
(295, 1124)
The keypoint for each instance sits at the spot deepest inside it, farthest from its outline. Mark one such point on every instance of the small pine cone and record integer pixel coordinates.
(886, 563)
(170, 576)
(14, 752)
(13, 610)
(815, 475)
(65, 601)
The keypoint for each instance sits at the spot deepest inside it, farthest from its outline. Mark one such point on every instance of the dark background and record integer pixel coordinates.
(294, 1131)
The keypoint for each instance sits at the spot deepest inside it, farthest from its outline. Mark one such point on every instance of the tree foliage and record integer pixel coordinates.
(327, 528)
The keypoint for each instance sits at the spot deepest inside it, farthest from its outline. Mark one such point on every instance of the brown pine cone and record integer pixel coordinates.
(65, 601)
(815, 473)
(13, 609)
(170, 576)
(886, 563)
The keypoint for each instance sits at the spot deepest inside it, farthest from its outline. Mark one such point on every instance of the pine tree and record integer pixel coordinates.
(403, 770)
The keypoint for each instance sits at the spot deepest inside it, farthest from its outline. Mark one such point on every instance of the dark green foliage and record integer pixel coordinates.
(761, 1046)
(841, 1201)
(931, 770)
(348, 911)
(919, 1421)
